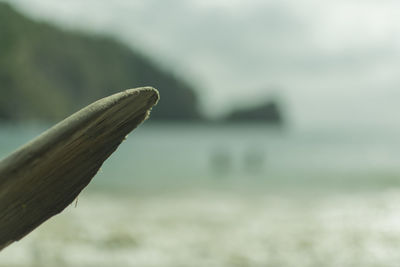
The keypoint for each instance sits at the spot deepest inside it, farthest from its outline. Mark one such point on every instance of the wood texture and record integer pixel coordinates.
(43, 177)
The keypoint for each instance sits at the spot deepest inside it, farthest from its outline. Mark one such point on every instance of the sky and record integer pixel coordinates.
(330, 62)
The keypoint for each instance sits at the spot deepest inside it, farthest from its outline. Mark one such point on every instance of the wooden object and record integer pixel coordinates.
(43, 177)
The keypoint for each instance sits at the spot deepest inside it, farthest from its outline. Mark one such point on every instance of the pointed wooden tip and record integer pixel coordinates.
(44, 176)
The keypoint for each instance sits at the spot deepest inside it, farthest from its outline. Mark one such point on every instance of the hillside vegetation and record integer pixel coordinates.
(47, 73)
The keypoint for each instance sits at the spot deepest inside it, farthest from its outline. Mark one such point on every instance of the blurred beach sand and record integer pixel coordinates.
(209, 228)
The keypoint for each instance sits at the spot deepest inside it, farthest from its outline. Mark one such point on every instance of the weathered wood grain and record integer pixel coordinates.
(43, 177)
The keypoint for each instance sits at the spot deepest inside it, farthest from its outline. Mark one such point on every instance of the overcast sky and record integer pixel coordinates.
(330, 61)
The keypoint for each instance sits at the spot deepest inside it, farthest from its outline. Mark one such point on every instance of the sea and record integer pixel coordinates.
(227, 195)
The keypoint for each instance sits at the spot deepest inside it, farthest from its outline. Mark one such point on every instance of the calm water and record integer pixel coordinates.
(227, 196)
(161, 156)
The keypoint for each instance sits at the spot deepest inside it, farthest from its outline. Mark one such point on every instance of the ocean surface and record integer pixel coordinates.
(232, 195)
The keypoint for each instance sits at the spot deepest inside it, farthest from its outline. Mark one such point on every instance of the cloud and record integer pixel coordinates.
(336, 53)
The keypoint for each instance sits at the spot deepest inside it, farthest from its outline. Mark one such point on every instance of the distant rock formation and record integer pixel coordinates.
(47, 73)
(269, 112)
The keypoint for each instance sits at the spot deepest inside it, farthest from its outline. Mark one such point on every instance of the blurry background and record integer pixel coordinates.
(275, 139)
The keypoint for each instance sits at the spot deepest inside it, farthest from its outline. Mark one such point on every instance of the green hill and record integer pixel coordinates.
(269, 112)
(47, 73)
